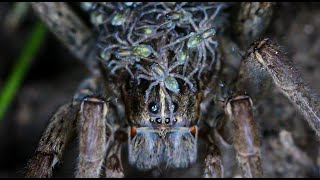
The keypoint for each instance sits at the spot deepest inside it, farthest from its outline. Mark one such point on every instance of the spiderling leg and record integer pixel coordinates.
(148, 91)
(92, 137)
(52, 143)
(246, 138)
(200, 52)
(186, 80)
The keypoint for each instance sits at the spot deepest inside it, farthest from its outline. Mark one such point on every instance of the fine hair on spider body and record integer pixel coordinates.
(153, 58)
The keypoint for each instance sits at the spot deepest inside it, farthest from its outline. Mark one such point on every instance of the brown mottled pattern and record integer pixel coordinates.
(246, 138)
(92, 130)
(53, 141)
(67, 26)
(275, 67)
(114, 168)
(251, 20)
(154, 144)
(213, 163)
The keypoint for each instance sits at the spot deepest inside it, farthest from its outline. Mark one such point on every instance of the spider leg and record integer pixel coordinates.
(52, 144)
(59, 132)
(165, 7)
(193, 24)
(213, 167)
(114, 168)
(267, 65)
(200, 51)
(143, 76)
(120, 41)
(289, 145)
(213, 54)
(128, 69)
(184, 79)
(113, 70)
(204, 59)
(246, 138)
(122, 64)
(92, 140)
(68, 28)
(213, 16)
(148, 4)
(249, 24)
(129, 36)
(179, 49)
(141, 68)
(154, 35)
(112, 62)
(201, 24)
(178, 40)
(186, 63)
(108, 48)
(168, 98)
(129, 19)
(215, 43)
(148, 91)
(146, 23)
(152, 11)
(174, 65)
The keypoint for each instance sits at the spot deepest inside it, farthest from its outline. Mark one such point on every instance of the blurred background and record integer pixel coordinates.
(53, 75)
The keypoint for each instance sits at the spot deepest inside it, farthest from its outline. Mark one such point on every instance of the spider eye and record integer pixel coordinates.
(175, 107)
(154, 107)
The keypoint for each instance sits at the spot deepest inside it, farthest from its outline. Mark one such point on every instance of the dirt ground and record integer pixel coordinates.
(289, 147)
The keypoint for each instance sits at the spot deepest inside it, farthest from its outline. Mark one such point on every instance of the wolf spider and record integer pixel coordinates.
(157, 138)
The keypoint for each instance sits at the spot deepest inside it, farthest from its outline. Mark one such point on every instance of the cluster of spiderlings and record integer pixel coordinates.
(157, 41)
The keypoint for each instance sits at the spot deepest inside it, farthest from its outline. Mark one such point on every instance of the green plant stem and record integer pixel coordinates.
(14, 80)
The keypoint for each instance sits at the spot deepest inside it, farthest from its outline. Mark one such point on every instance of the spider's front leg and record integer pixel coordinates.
(213, 162)
(245, 138)
(89, 114)
(252, 20)
(68, 28)
(53, 142)
(114, 168)
(266, 65)
(97, 128)
(93, 140)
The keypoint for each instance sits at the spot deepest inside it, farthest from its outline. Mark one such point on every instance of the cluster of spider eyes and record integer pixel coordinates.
(130, 33)
(153, 107)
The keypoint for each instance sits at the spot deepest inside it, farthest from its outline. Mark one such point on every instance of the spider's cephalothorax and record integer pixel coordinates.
(161, 48)
(155, 136)
(166, 75)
